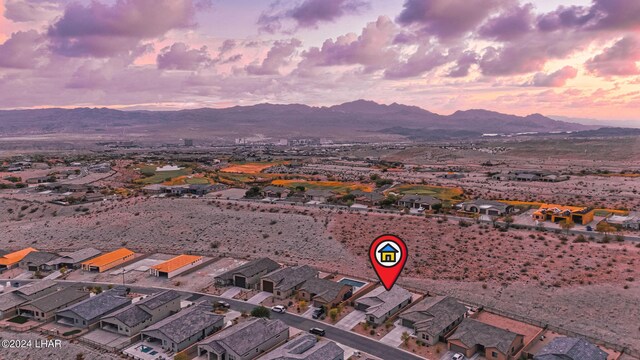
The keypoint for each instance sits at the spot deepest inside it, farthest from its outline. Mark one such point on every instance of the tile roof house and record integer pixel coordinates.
(89, 311)
(282, 283)
(248, 275)
(318, 195)
(9, 303)
(11, 260)
(322, 292)
(132, 319)
(176, 266)
(566, 348)
(275, 192)
(416, 201)
(473, 336)
(245, 341)
(109, 260)
(37, 289)
(486, 207)
(185, 328)
(73, 259)
(37, 260)
(45, 307)
(434, 317)
(306, 347)
(379, 305)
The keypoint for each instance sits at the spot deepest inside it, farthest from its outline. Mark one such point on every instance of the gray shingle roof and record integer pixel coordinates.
(184, 324)
(37, 258)
(58, 298)
(76, 256)
(288, 278)
(251, 268)
(35, 287)
(323, 288)
(421, 199)
(433, 315)
(246, 336)
(11, 300)
(305, 347)
(99, 305)
(565, 348)
(136, 314)
(380, 301)
(156, 300)
(473, 332)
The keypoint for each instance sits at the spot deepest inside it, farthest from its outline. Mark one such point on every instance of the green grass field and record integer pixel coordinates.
(197, 181)
(446, 194)
(18, 320)
(162, 176)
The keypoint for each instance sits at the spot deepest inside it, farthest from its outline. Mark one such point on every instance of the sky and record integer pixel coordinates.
(570, 58)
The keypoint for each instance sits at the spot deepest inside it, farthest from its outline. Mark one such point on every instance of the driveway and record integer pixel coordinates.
(394, 338)
(351, 320)
(259, 298)
(230, 293)
(449, 354)
(309, 313)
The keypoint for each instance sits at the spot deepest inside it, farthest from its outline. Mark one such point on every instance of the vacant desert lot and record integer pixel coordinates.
(529, 273)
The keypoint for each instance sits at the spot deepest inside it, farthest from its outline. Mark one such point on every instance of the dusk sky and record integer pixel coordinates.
(574, 58)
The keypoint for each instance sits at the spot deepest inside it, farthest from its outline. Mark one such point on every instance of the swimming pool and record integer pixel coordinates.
(354, 283)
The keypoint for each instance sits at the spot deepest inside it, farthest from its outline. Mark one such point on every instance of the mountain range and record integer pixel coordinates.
(358, 119)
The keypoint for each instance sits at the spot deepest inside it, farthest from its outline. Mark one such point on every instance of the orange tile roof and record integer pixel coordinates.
(108, 258)
(14, 257)
(177, 262)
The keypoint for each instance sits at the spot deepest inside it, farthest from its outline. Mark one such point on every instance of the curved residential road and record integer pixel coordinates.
(348, 338)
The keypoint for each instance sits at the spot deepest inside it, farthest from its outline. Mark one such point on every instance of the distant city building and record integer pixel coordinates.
(188, 142)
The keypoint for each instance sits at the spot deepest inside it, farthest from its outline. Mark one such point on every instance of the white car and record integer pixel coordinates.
(457, 356)
(279, 309)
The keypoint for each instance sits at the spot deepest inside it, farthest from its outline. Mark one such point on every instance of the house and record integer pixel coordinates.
(44, 308)
(37, 289)
(486, 207)
(631, 221)
(367, 198)
(244, 341)
(185, 328)
(318, 195)
(12, 260)
(37, 260)
(153, 189)
(492, 342)
(324, 293)
(175, 266)
(560, 213)
(418, 202)
(306, 347)
(566, 348)
(379, 305)
(282, 283)
(89, 311)
(108, 261)
(40, 180)
(248, 275)
(433, 317)
(277, 192)
(9, 303)
(130, 320)
(72, 260)
(388, 254)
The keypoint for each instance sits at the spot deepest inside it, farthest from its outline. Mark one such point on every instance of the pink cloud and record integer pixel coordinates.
(555, 79)
(309, 13)
(618, 60)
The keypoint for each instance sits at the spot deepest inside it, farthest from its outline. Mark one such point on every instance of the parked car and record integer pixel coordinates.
(457, 356)
(317, 313)
(589, 228)
(317, 331)
(279, 309)
(223, 305)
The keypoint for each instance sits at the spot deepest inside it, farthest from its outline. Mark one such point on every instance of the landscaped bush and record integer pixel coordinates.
(18, 320)
(72, 332)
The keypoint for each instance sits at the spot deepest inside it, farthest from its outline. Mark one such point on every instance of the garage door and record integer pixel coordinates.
(240, 281)
(267, 286)
(456, 348)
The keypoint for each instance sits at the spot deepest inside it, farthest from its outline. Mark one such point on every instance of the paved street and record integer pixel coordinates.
(344, 337)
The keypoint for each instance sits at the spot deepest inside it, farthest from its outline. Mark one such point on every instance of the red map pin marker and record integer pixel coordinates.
(388, 254)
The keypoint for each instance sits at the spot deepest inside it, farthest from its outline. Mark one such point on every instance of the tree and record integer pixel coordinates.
(605, 228)
(405, 338)
(261, 312)
(303, 305)
(508, 220)
(333, 314)
(567, 225)
(252, 192)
